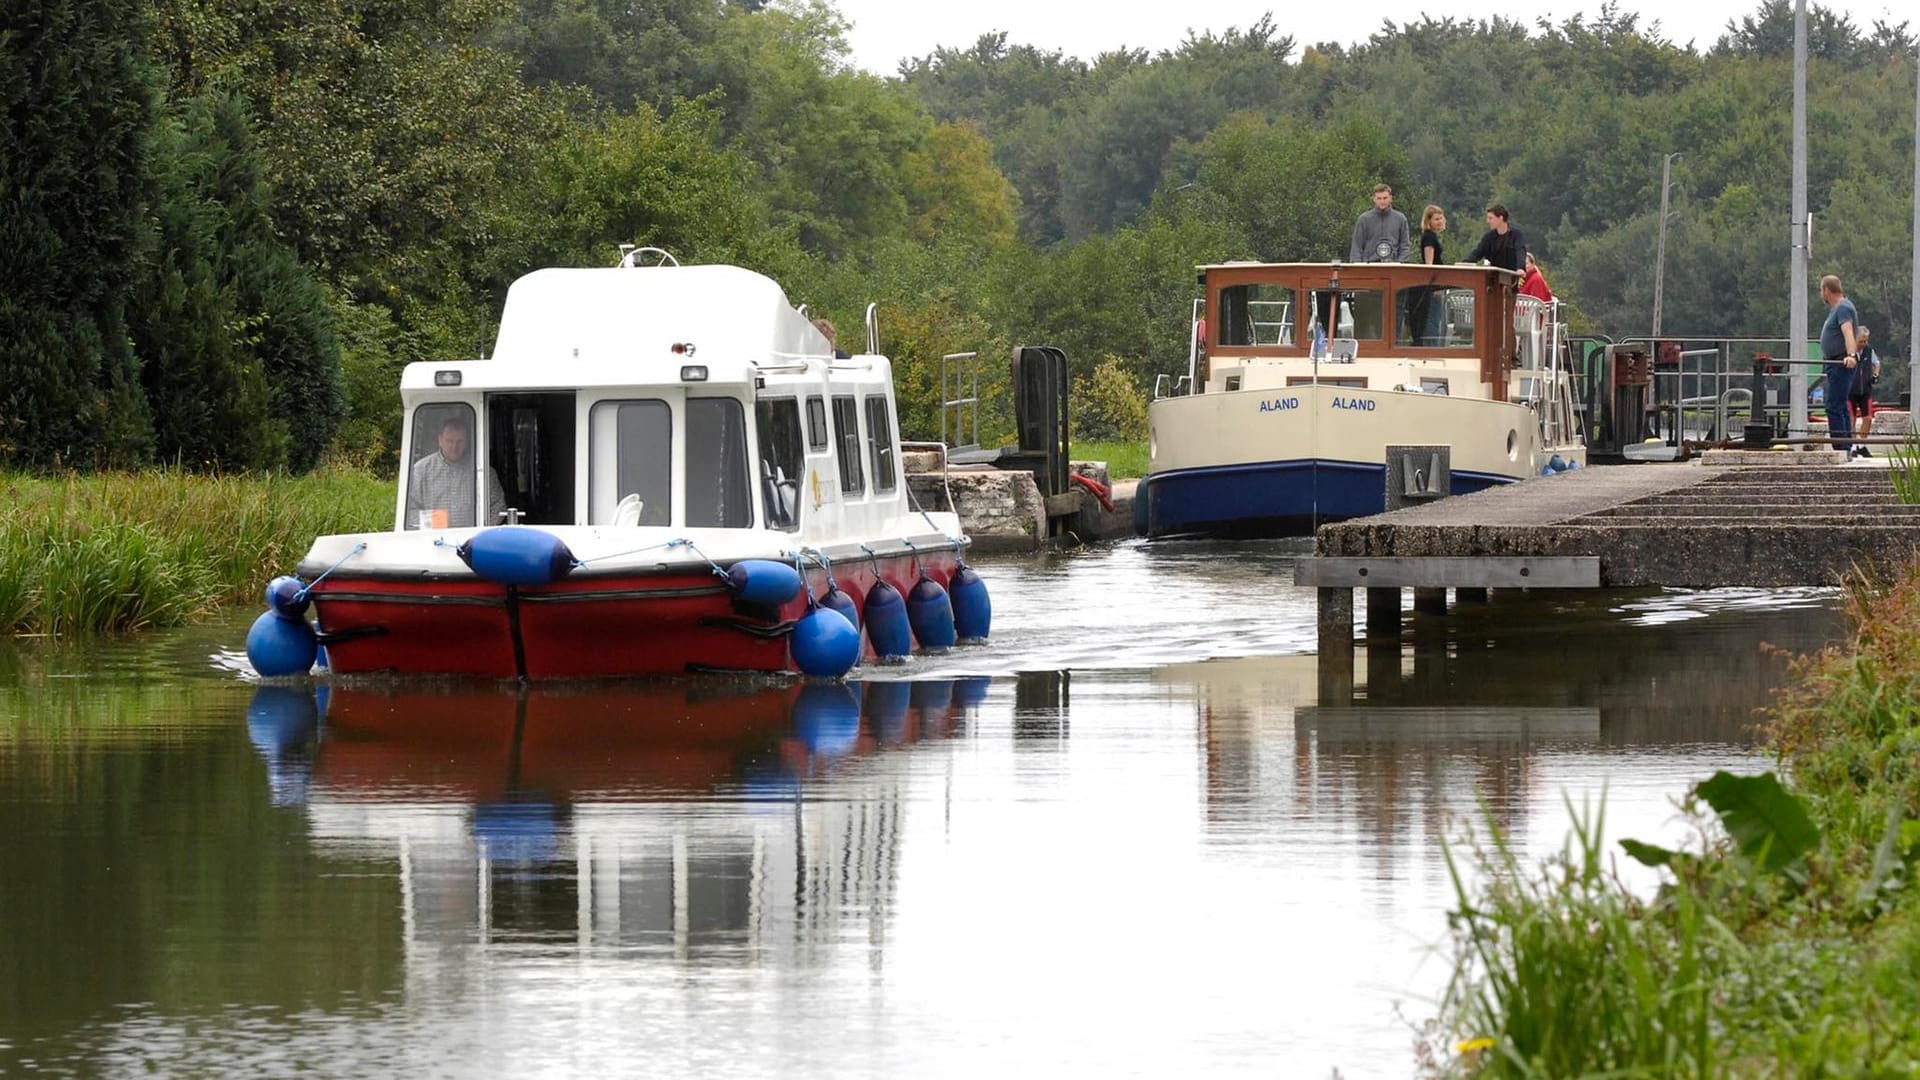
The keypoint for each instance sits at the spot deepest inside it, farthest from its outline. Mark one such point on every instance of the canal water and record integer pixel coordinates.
(1129, 837)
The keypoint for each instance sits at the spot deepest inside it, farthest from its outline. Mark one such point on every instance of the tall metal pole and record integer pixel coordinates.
(1913, 311)
(1797, 232)
(1660, 247)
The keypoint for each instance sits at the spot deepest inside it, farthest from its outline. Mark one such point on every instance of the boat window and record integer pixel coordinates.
(1256, 315)
(1363, 313)
(717, 491)
(846, 435)
(880, 443)
(530, 446)
(1352, 383)
(441, 468)
(631, 479)
(1433, 316)
(816, 423)
(782, 461)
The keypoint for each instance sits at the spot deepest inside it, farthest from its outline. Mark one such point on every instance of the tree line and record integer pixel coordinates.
(225, 224)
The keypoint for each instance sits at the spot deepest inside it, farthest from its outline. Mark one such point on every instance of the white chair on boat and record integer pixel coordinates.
(627, 513)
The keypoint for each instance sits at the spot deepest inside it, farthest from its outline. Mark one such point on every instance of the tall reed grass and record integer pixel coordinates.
(128, 551)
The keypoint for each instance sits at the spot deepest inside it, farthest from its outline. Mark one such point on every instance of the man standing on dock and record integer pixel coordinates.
(1380, 235)
(1840, 351)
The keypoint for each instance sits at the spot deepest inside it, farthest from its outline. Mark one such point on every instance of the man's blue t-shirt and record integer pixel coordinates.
(1833, 343)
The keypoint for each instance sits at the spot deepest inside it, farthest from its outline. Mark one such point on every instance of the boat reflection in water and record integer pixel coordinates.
(671, 815)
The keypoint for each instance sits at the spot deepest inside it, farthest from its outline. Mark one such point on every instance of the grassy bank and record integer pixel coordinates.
(126, 551)
(1125, 460)
(1785, 942)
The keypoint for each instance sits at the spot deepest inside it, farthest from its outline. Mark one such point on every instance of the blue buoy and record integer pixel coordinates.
(971, 691)
(1546, 470)
(885, 617)
(931, 614)
(764, 582)
(826, 717)
(277, 645)
(886, 708)
(282, 723)
(286, 595)
(281, 718)
(518, 832)
(1571, 465)
(824, 644)
(1140, 509)
(972, 610)
(517, 555)
(839, 601)
(1557, 463)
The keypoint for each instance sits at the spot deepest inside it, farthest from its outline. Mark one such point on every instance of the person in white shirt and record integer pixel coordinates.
(440, 486)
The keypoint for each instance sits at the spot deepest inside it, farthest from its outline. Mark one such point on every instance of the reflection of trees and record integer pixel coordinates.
(144, 863)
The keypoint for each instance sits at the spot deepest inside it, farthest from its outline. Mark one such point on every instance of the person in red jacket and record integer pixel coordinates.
(1534, 284)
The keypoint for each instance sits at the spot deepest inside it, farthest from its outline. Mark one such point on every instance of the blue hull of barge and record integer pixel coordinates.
(1274, 498)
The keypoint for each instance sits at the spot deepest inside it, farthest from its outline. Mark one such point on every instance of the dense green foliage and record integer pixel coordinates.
(128, 550)
(227, 224)
(1784, 943)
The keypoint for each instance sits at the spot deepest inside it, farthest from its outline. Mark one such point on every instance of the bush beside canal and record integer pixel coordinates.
(127, 551)
(1784, 942)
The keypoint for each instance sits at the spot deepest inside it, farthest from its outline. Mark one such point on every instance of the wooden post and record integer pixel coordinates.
(1383, 612)
(1336, 646)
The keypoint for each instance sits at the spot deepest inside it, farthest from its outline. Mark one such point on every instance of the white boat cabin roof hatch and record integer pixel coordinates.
(689, 398)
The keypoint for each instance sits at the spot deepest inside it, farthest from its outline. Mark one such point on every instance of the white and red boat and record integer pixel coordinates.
(662, 469)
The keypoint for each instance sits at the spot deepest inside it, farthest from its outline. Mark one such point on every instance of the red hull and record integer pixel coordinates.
(579, 628)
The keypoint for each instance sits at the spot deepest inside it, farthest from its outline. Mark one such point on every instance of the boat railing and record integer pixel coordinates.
(964, 405)
(945, 487)
(873, 329)
(1165, 385)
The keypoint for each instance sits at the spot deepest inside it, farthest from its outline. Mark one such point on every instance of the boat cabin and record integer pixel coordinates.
(1444, 325)
(679, 397)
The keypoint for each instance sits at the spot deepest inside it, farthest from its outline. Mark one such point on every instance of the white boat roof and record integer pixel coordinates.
(616, 326)
(1353, 266)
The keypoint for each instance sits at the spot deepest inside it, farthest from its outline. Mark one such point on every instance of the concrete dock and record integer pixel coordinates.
(1736, 520)
(1694, 525)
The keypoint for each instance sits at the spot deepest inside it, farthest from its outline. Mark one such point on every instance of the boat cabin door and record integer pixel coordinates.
(530, 447)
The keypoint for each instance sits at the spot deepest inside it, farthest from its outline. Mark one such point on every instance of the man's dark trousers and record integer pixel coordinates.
(1839, 416)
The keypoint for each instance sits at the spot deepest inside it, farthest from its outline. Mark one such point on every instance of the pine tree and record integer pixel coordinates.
(76, 107)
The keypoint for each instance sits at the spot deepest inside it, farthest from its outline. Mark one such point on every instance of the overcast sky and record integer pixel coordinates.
(885, 31)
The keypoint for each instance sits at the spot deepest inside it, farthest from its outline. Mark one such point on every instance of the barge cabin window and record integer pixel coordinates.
(846, 436)
(530, 446)
(442, 488)
(782, 460)
(718, 494)
(1256, 314)
(1433, 317)
(631, 480)
(1363, 313)
(880, 443)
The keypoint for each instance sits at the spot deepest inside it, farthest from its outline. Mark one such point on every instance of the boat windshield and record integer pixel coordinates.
(1433, 316)
(1256, 314)
(1363, 313)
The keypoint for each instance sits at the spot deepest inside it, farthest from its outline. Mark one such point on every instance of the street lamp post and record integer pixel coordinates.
(1660, 246)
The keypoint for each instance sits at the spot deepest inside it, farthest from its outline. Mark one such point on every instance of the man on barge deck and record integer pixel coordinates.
(1380, 234)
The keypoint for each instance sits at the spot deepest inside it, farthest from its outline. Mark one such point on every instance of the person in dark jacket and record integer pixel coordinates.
(1502, 244)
